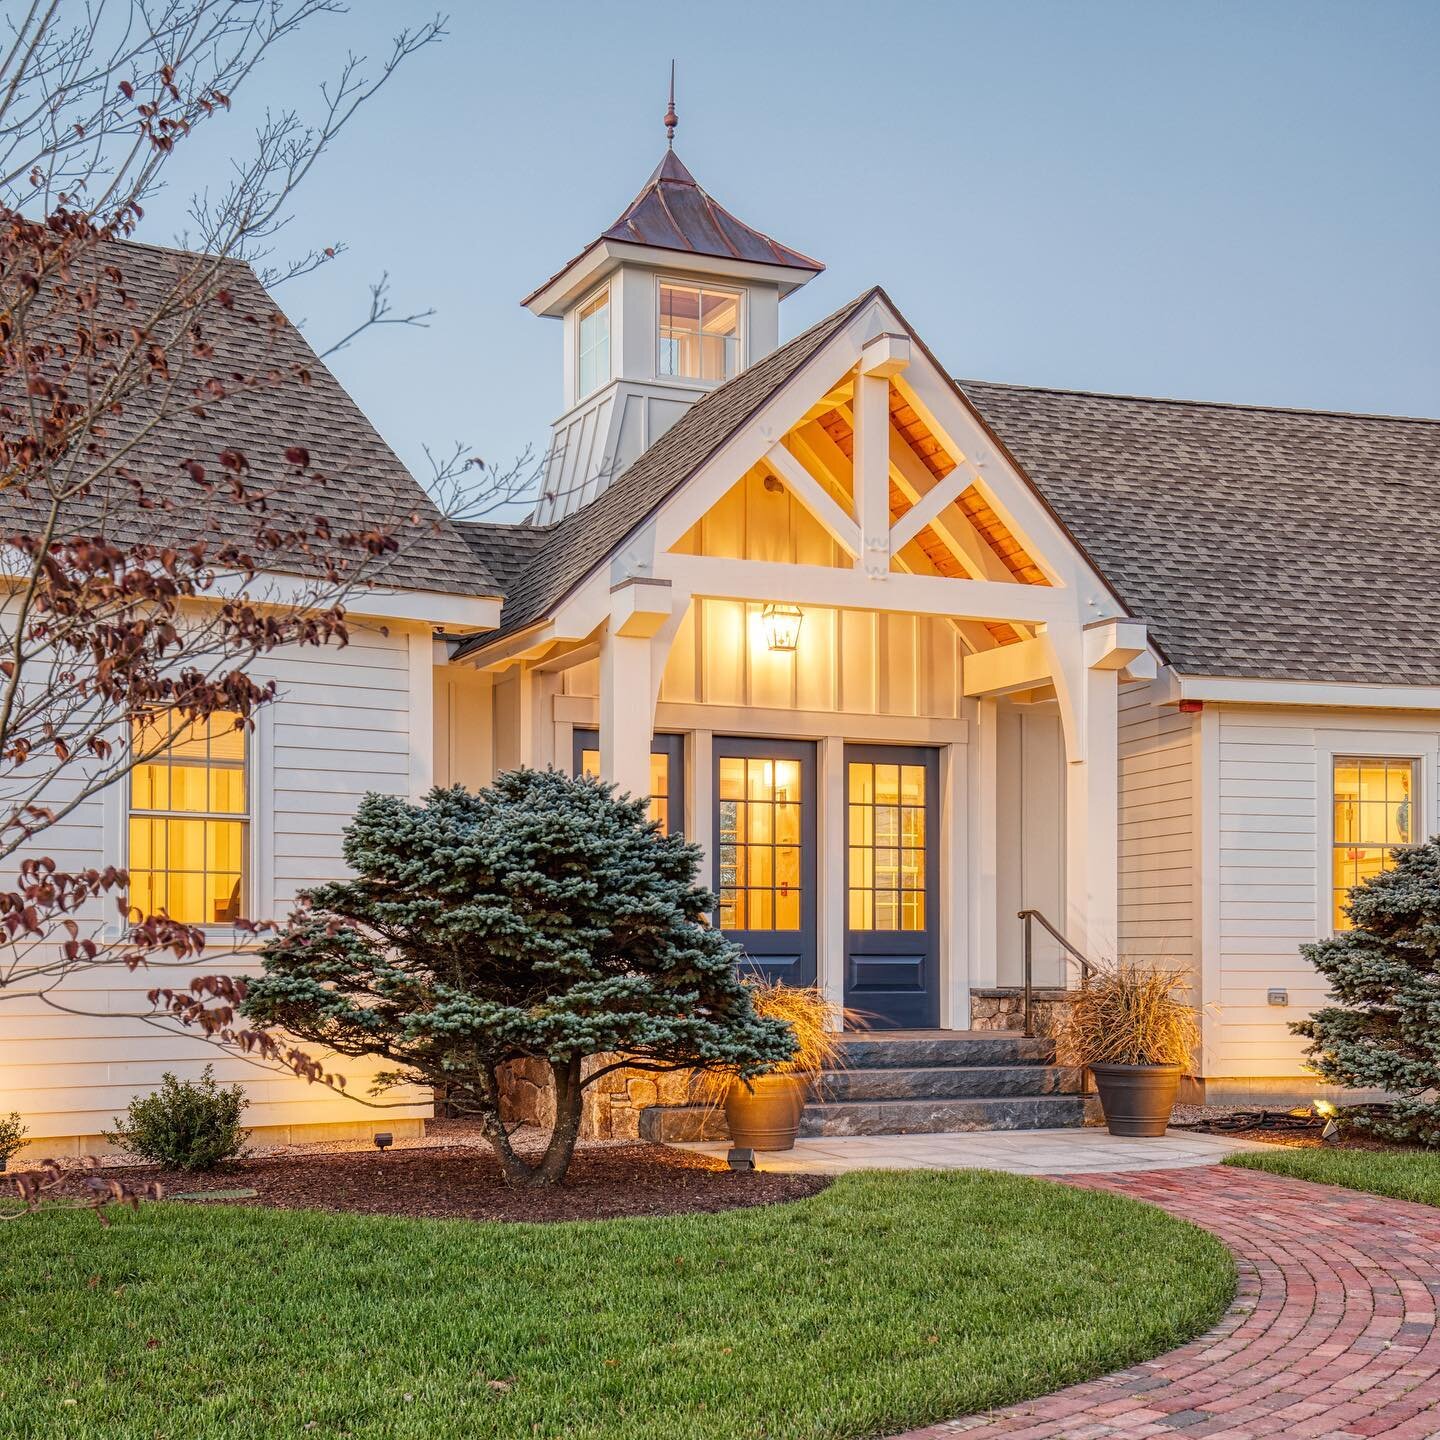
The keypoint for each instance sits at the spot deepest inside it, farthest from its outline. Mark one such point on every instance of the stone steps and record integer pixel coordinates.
(915, 1083)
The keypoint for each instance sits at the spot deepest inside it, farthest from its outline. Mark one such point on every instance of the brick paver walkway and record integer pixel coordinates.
(1332, 1333)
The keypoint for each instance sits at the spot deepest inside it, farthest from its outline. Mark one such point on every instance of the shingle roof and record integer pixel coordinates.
(549, 561)
(365, 486)
(1264, 543)
(674, 212)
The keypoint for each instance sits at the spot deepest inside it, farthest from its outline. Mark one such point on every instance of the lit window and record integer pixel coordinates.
(594, 344)
(759, 843)
(188, 819)
(887, 846)
(659, 782)
(1374, 811)
(699, 332)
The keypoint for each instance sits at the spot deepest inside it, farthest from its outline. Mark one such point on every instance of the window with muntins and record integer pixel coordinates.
(189, 817)
(660, 782)
(886, 879)
(593, 339)
(699, 332)
(760, 829)
(1373, 799)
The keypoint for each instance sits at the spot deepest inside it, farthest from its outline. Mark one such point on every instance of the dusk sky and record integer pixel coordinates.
(1231, 201)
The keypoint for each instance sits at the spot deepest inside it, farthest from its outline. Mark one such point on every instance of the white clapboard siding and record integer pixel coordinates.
(1271, 789)
(1157, 814)
(341, 727)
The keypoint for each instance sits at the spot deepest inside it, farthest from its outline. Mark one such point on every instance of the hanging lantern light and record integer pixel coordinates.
(782, 625)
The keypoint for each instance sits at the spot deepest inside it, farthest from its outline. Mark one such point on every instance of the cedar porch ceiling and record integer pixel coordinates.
(916, 434)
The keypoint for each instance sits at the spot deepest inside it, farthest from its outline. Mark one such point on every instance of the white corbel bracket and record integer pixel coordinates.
(640, 605)
(1114, 644)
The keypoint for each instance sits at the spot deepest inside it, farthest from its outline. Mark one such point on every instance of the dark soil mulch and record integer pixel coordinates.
(461, 1183)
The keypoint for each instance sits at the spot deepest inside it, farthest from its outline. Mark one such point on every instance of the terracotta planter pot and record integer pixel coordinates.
(767, 1115)
(1137, 1099)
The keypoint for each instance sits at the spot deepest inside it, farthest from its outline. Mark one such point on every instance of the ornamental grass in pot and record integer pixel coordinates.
(763, 1112)
(1136, 1035)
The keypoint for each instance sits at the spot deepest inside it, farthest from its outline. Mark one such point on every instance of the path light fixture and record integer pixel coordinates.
(782, 625)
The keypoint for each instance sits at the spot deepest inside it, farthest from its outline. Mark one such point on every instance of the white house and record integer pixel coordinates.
(907, 654)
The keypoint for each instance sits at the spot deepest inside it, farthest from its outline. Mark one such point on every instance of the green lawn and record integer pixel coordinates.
(886, 1301)
(1400, 1174)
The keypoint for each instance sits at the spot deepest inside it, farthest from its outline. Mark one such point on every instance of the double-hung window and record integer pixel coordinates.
(593, 345)
(699, 332)
(189, 818)
(1373, 800)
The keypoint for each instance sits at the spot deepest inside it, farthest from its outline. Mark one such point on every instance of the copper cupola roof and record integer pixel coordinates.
(673, 212)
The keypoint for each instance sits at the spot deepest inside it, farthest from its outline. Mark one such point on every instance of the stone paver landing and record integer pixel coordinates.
(1332, 1332)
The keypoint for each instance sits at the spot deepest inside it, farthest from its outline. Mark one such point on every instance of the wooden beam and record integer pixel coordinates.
(848, 589)
(1007, 669)
(925, 509)
(812, 495)
(872, 472)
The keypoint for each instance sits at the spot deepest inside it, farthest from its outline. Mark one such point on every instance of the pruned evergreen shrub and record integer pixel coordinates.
(13, 1131)
(1383, 1029)
(185, 1124)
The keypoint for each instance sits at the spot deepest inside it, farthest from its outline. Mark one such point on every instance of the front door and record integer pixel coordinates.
(891, 944)
(765, 853)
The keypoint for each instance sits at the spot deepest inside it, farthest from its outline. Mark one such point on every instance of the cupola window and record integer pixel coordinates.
(593, 360)
(699, 332)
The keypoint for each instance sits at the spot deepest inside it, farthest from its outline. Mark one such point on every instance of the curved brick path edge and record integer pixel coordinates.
(1331, 1333)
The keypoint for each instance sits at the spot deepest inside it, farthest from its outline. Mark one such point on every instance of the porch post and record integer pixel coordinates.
(628, 660)
(1092, 834)
(1087, 677)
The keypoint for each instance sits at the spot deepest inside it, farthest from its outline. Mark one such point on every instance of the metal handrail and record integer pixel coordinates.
(1087, 967)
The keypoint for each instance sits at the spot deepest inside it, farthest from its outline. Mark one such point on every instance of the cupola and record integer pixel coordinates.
(673, 299)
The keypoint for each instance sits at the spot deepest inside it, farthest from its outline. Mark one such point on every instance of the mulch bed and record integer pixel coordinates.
(463, 1183)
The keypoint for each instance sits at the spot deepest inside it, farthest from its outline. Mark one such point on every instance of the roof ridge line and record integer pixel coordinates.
(1201, 404)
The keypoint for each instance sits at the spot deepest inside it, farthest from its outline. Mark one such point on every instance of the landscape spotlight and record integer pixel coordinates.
(383, 1141)
(741, 1159)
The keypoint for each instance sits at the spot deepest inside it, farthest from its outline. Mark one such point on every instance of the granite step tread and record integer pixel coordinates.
(945, 1082)
(916, 1052)
(928, 1117)
(888, 1117)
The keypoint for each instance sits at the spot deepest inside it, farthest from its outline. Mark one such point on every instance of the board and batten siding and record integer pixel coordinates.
(1158, 899)
(1268, 775)
(345, 723)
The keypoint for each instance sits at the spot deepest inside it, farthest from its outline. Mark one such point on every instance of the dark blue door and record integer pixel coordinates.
(765, 853)
(892, 954)
(667, 774)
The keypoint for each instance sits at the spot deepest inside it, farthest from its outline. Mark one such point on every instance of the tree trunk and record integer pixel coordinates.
(569, 1106)
(550, 1169)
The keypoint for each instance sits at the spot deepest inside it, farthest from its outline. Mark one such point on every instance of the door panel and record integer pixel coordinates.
(764, 848)
(667, 774)
(891, 882)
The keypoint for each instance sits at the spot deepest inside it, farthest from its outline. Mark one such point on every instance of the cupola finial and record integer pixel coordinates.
(671, 118)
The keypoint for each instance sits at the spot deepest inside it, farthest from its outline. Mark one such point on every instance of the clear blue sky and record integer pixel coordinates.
(1233, 201)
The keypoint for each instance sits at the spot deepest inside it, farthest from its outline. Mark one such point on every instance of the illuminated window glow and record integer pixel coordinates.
(887, 823)
(659, 783)
(188, 819)
(699, 332)
(1373, 801)
(759, 843)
